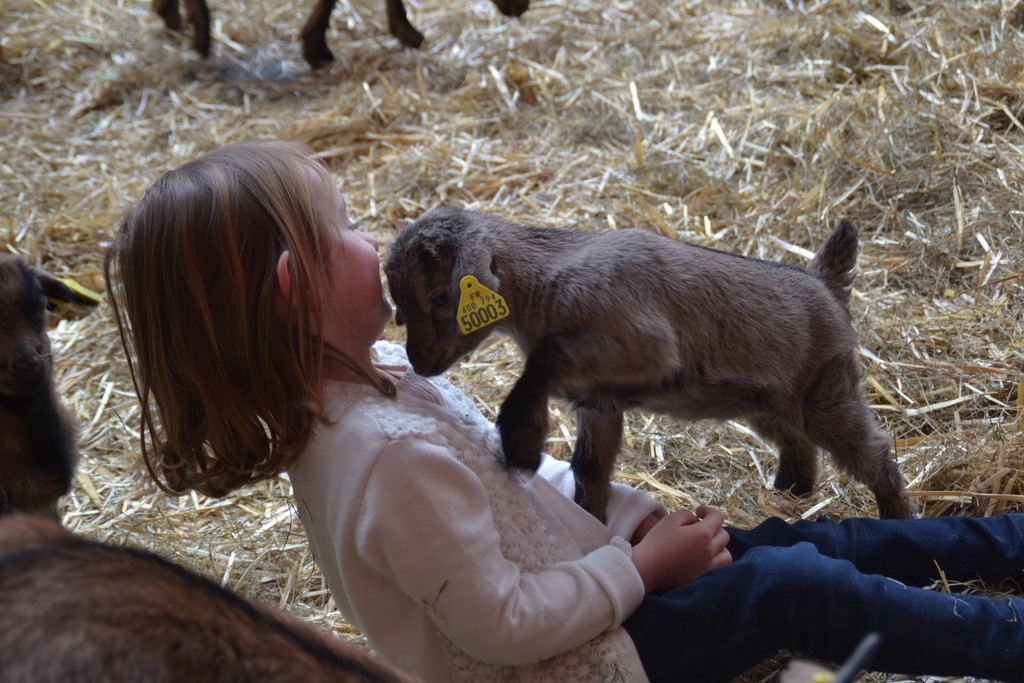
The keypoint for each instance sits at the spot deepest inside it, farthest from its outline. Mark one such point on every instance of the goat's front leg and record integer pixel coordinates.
(523, 416)
(599, 435)
(798, 458)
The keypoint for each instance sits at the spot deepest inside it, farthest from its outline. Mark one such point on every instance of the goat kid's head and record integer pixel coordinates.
(424, 268)
(25, 361)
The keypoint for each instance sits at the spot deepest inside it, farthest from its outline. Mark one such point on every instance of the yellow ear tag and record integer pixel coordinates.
(86, 296)
(478, 305)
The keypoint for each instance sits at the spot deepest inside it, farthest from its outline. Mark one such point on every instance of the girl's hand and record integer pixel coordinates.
(680, 547)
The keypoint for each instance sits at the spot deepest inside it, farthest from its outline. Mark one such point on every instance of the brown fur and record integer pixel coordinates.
(75, 610)
(314, 33)
(630, 319)
(37, 433)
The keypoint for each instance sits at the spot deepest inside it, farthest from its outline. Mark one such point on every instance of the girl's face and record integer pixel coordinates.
(355, 309)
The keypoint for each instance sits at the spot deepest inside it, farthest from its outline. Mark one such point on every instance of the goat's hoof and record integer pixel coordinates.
(798, 487)
(520, 456)
(202, 47)
(523, 426)
(317, 55)
(172, 20)
(407, 35)
(594, 507)
(899, 509)
(520, 448)
(512, 8)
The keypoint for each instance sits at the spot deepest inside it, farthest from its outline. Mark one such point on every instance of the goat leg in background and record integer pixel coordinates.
(168, 11)
(400, 26)
(196, 13)
(314, 35)
(598, 437)
(512, 8)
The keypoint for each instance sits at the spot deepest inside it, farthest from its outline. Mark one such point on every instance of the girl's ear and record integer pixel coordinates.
(284, 275)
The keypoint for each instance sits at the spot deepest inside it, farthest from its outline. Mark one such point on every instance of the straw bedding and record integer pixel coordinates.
(748, 125)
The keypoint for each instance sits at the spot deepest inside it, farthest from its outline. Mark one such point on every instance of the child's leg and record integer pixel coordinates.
(730, 619)
(912, 551)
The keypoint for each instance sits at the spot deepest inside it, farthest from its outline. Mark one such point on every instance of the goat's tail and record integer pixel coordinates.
(834, 262)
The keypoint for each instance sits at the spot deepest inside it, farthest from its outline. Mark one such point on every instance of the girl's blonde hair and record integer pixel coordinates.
(228, 375)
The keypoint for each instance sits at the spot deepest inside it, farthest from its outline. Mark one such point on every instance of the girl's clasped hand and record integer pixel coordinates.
(679, 547)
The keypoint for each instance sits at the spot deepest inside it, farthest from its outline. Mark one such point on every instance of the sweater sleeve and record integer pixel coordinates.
(427, 525)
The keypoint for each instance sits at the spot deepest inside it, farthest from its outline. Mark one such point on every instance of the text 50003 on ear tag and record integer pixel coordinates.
(478, 305)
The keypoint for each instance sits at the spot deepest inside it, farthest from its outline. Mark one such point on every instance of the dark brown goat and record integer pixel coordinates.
(629, 319)
(37, 434)
(314, 33)
(75, 610)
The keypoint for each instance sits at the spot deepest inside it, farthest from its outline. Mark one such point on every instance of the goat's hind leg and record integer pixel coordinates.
(599, 435)
(798, 457)
(838, 419)
(861, 448)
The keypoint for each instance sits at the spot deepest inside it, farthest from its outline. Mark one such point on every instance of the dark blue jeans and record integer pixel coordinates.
(818, 587)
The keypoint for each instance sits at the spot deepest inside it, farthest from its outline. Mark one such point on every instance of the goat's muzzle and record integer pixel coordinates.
(427, 366)
(25, 374)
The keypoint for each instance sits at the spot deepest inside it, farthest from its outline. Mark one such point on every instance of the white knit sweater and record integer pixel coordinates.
(454, 568)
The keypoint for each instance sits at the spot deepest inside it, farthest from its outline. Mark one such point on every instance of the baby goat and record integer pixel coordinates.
(314, 33)
(629, 319)
(37, 434)
(75, 610)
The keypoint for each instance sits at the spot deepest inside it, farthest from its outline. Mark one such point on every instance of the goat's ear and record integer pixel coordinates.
(64, 290)
(474, 258)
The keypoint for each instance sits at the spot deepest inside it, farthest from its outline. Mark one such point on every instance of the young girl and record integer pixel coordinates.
(250, 308)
